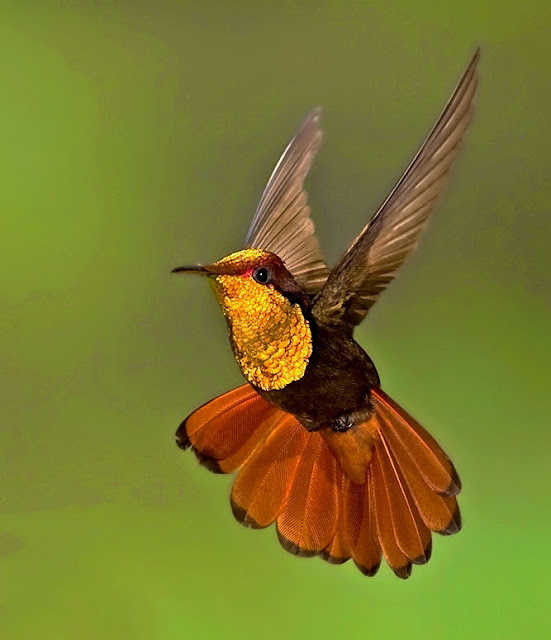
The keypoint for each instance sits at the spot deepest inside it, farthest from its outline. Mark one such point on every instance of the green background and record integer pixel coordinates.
(137, 136)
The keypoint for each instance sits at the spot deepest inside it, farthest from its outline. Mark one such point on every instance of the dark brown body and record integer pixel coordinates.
(335, 389)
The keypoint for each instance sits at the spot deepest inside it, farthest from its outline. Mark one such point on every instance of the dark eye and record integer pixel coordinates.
(261, 275)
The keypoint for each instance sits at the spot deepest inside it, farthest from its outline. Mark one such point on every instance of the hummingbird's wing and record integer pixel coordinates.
(374, 258)
(282, 222)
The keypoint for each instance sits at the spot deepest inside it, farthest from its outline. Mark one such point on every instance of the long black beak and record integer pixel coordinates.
(194, 268)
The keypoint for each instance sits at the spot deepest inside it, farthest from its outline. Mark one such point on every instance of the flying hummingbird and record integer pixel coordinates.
(320, 449)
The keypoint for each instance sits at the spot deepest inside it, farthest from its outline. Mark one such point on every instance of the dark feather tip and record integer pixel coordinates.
(456, 482)
(368, 571)
(293, 548)
(182, 439)
(425, 557)
(455, 486)
(454, 525)
(238, 512)
(242, 516)
(326, 555)
(403, 572)
(209, 463)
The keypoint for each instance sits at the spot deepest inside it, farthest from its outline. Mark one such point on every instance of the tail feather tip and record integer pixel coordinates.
(325, 555)
(455, 486)
(403, 572)
(368, 571)
(294, 548)
(455, 524)
(182, 439)
(238, 512)
(209, 463)
(243, 517)
(425, 557)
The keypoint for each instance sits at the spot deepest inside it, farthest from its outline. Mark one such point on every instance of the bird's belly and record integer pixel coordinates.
(336, 383)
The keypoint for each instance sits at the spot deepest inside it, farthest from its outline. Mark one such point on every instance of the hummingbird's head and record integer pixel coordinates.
(264, 307)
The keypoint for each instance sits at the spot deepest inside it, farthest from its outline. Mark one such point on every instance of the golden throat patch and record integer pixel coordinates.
(270, 336)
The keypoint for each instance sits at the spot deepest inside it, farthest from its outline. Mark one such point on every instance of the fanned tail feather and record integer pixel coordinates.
(308, 521)
(339, 549)
(379, 488)
(425, 470)
(362, 526)
(262, 487)
(424, 453)
(224, 432)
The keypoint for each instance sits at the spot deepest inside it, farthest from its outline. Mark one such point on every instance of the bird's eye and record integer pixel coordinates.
(261, 275)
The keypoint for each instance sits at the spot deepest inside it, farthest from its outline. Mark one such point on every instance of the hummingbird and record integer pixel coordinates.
(319, 448)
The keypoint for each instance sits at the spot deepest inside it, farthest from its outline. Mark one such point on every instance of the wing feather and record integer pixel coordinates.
(374, 258)
(282, 222)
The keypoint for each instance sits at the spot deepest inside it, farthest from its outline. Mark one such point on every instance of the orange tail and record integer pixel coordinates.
(377, 489)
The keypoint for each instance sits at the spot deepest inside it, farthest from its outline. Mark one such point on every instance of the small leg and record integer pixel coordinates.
(343, 423)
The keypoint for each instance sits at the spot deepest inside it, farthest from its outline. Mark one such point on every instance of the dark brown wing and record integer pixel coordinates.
(374, 258)
(282, 222)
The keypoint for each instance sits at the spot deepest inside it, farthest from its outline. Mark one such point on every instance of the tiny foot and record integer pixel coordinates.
(342, 424)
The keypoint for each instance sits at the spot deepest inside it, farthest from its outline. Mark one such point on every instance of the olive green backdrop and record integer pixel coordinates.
(137, 136)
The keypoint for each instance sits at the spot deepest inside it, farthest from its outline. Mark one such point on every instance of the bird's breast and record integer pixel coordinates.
(270, 337)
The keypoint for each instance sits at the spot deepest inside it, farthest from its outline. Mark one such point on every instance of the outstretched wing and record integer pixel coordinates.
(282, 222)
(374, 258)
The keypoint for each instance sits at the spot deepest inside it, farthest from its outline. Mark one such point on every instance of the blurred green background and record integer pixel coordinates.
(137, 136)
